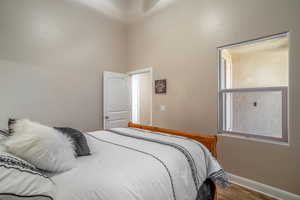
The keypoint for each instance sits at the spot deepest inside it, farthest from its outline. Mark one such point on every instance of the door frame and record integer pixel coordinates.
(142, 71)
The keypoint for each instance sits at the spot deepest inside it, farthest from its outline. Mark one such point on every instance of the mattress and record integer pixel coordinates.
(134, 164)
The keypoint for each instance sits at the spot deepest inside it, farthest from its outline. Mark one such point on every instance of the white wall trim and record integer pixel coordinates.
(244, 137)
(141, 71)
(263, 188)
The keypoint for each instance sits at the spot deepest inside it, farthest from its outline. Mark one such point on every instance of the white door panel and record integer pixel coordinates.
(116, 100)
(117, 123)
(118, 115)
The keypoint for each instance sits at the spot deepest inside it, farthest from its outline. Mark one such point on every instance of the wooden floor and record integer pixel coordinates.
(235, 192)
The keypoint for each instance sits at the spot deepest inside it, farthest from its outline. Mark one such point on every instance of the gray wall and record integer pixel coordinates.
(180, 44)
(52, 55)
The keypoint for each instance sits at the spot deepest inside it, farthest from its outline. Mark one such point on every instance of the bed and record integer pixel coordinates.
(143, 163)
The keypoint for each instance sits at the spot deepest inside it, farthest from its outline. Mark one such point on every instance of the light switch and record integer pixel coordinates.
(162, 107)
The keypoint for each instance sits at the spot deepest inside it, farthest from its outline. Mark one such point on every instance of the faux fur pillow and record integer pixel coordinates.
(42, 146)
(78, 138)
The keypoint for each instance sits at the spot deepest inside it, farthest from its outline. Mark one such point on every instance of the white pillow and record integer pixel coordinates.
(20, 179)
(42, 146)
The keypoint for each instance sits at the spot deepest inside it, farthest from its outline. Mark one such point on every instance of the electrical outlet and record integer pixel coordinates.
(162, 108)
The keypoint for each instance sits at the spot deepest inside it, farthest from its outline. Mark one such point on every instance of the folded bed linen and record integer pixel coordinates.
(19, 180)
(135, 164)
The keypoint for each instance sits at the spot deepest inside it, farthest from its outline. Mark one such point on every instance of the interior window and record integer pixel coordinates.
(253, 88)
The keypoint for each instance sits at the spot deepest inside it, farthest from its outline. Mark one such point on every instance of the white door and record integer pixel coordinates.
(116, 100)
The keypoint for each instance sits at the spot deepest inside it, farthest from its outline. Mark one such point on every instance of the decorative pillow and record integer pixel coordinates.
(79, 140)
(20, 180)
(10, 124)
(4, 133)
(42, 146)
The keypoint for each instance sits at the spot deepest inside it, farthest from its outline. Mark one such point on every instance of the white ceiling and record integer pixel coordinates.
(127, 10)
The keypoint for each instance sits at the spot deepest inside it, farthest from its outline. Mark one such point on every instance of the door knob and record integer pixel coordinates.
(106, 117)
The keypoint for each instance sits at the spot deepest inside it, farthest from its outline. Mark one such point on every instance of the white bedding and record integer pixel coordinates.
(128, 164)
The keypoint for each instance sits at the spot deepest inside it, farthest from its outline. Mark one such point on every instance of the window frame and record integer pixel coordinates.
(221, 91)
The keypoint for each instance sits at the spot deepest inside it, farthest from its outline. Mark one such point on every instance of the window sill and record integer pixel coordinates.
(253, 139)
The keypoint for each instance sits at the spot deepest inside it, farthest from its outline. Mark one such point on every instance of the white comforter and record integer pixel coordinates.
(129, 164)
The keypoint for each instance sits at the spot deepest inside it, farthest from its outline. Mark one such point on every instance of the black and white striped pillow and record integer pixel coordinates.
(4, 132)
(10, 130)
(10, 124)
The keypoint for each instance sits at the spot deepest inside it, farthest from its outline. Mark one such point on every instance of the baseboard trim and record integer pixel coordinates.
(263, 188)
